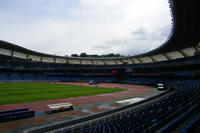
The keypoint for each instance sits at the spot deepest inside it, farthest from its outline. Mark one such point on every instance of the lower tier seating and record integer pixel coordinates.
(160, 115)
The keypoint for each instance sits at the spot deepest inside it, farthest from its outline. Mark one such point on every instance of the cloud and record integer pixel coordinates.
(96, 27)
(139, 32)
(140, 41)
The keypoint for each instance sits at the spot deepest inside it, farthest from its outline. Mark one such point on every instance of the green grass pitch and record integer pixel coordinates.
(11, 93)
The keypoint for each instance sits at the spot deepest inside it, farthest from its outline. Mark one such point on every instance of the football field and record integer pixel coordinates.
(11, 93)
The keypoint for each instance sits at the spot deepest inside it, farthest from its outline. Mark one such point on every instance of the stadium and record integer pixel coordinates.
(99, 107)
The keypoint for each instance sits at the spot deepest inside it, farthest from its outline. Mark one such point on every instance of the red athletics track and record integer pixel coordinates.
(131, 90)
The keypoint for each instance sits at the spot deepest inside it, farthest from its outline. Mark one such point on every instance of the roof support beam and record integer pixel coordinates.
(182, 53)
(166, 56)
(135, 60)
(152, 58)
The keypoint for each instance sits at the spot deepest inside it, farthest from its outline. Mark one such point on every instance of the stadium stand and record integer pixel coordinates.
(28, 77)
(40, 77)
(175, 63)
(4, 77)
(15, 77)
(153, 116)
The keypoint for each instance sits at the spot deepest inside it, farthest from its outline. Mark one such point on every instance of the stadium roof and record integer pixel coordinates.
(185, 30)
(185, 26)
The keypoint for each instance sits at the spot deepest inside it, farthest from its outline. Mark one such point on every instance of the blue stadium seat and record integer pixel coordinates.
(28, 77)
(16, 77)
(4, 77)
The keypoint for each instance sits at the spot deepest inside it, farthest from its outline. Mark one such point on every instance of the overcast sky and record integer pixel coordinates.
(63, 27)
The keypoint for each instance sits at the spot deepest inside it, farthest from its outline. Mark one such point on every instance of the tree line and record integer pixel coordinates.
(97, 56)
